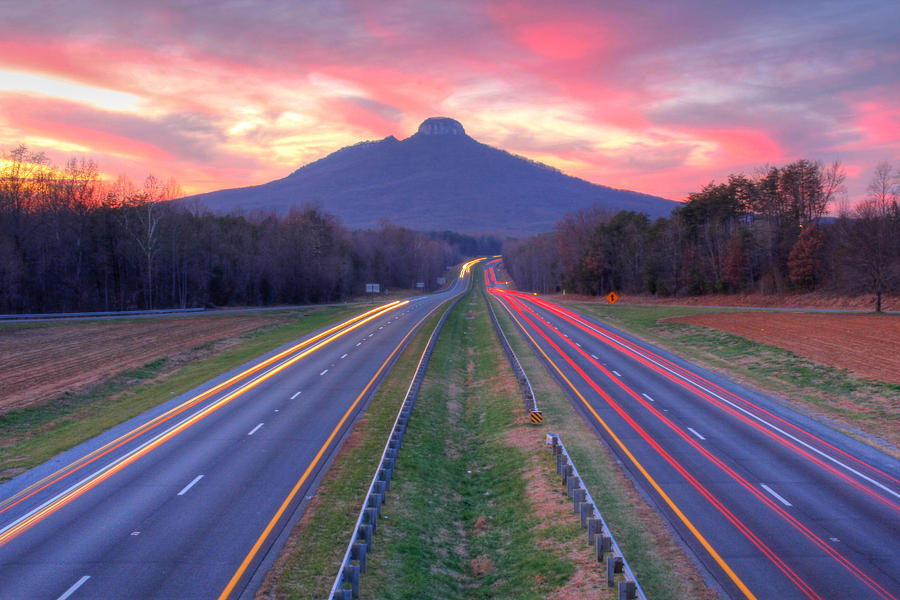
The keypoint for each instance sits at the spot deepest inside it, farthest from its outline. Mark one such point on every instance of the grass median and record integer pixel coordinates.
(663, 568)
(309, 562)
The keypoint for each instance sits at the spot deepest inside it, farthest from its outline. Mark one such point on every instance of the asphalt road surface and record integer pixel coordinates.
(189, 502)
(772, 503)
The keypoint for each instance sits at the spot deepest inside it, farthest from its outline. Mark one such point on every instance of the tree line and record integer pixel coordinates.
(70, 241)
(765, 233)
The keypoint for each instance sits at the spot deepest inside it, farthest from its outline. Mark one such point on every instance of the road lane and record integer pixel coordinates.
(185, 497)
(838, 536)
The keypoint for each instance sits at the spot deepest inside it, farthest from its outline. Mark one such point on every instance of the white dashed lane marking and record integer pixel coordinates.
(190, 485)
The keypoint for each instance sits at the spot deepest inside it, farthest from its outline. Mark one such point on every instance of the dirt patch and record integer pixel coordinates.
(589, 578)
(864, 344)
(39, 364)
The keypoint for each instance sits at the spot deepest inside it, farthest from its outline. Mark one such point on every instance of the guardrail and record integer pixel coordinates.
(119, 313)
(599, 534)
(537, 417)
(354, 561)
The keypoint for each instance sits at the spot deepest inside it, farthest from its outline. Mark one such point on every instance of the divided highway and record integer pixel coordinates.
(774, 504)
(191, 502)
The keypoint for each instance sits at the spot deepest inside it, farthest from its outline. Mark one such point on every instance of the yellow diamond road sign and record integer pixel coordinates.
(612, 297)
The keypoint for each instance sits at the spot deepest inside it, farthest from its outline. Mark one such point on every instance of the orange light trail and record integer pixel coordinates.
(78, 490)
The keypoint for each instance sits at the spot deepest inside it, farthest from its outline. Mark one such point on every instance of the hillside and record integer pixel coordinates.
(438, 179)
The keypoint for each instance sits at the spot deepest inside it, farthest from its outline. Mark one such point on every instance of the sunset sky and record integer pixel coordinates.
(658, 97)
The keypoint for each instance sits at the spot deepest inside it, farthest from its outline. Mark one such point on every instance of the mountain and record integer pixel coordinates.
(438, 179)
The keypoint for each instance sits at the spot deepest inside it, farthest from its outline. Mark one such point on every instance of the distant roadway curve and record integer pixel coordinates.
(190, 502)
(773, 503)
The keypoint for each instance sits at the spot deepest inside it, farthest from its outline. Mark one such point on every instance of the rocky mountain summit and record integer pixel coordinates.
(437, 179)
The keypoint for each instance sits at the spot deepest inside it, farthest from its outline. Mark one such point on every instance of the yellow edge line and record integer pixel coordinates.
(715, 555)
(88, 485)
(202, 396)
(287, 501)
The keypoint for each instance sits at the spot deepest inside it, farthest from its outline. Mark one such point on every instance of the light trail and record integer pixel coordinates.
(157, 421)
(51, 506)
(834, 554)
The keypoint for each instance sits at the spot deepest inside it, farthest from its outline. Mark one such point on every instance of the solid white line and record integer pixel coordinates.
(779, 498)
(323, 372)
(190, 485)
(343, 356)
(595, 357)
(750, 414)
(295, 395)
(255, 429)
(617, 374)
(694, 431)
(72, 589)
(648, 398)
(577, 344)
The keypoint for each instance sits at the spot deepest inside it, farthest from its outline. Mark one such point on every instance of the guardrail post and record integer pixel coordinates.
(351, 576)
(567, 472)
(371, 516)
(613, 566)
(578, 495)
(604, 545)
(365, 533)
(375, 502)
(572, 484)
(594, 527)
(378, 488)
(587, 511)
(358, 552)
(627, 590)
(560, 462)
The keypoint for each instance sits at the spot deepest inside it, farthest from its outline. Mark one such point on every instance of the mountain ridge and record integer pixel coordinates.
(438, 178)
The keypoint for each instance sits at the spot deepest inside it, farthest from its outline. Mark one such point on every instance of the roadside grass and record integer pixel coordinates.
(459, 519)
(311, 557)
(661, 565)
(835, 393)
(30, 436)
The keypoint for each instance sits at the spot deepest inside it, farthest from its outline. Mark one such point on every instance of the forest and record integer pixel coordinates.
(765, 233)
(70, 241)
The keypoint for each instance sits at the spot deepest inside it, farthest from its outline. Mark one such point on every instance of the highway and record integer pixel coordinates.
(194, 500)
(772, 503)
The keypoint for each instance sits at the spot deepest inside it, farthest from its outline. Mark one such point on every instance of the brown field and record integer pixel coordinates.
(866, 344)
(813, 300)
(38, 364)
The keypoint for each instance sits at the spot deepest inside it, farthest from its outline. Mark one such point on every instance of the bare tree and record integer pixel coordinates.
(874, 240)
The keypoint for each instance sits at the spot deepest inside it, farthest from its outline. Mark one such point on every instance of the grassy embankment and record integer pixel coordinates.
(475, 508)
(34, 435)
(862, 403)
(659, 561)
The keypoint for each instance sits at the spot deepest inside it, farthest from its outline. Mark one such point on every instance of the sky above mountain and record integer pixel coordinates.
(658, 97)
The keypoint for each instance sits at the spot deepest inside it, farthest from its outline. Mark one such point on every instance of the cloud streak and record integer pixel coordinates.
(657, 97)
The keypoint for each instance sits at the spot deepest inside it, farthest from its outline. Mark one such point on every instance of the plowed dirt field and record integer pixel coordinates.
(866, 344)
(41, 363)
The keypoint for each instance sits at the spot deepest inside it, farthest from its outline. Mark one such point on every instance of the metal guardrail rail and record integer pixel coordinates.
(599, 534)
(119, 313)
(536, 415)
(354, 561)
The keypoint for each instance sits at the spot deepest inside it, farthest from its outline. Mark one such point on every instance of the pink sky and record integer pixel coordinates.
(656, 97)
